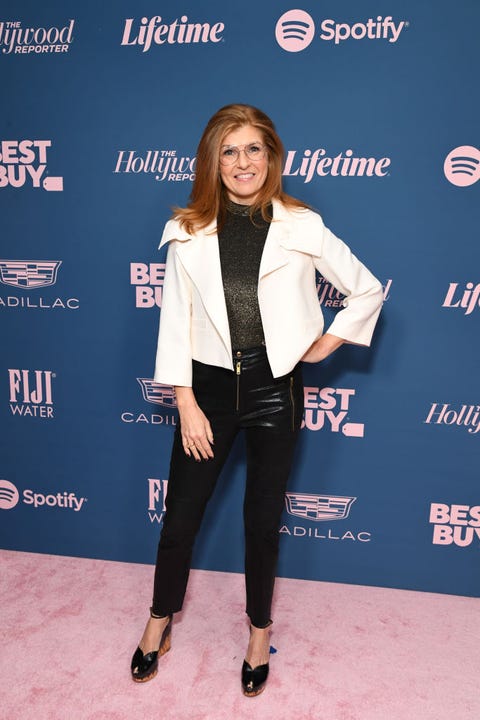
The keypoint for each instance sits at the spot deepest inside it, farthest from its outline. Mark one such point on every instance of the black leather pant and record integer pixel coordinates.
(270, 412)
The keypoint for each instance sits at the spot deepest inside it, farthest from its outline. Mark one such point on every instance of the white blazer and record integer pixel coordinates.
(194, 321)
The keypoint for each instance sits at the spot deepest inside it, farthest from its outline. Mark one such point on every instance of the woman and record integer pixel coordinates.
(240, 311)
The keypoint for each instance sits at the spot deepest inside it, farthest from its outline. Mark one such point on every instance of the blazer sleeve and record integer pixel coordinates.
(173, 365)
(355, 323)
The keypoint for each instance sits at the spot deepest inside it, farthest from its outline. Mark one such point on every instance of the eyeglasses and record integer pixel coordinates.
(229, 154)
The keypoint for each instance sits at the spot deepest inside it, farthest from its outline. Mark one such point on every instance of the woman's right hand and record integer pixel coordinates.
(197, 436)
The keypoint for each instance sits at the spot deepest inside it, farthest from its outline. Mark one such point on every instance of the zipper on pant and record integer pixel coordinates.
(292, 399)
(238, 370)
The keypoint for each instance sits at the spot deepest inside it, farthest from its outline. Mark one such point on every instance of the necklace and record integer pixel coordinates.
(237, 209)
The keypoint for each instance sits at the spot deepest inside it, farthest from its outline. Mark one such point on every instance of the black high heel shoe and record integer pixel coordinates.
(145, 667)
(254, 679)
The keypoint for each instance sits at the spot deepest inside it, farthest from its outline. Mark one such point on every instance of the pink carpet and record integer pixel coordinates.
(69, 627)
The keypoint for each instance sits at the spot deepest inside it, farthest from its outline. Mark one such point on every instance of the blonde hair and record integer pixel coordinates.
(208, 198)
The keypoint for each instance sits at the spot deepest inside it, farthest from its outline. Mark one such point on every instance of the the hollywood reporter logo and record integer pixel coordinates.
(37, 40)
(455, 524)
(163, 165)
(329, 296)
(31, 392)
(465, 416)
(148, 282)
(157, 492)
(24, 162)
(327, 408)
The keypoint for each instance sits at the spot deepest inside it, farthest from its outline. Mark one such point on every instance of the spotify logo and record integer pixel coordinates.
(8, 495)
(295, 30)
(462, 166)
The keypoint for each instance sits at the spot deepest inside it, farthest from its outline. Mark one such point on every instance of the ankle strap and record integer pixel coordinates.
(262, 627)
(157, 617)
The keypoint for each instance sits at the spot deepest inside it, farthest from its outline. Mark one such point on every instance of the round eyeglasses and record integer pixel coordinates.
(229, 154)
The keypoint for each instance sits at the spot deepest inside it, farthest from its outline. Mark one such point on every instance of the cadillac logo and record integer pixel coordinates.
(318, 507)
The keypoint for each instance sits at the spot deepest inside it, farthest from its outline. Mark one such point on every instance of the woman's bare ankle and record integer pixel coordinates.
(152, 634)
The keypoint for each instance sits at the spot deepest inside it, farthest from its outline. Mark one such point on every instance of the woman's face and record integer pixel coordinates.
(245, 176)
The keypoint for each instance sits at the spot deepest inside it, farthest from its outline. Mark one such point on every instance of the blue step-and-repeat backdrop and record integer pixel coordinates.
(377, 104)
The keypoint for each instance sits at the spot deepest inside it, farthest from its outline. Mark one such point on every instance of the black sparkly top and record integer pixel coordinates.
(241, 246)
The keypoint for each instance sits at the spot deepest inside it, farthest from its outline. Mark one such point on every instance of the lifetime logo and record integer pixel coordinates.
(455, 524)
(31, 396)
(344, 164)
(469, 300)
(179, 32)
(462, 166)
(295, 30)
(26, 160)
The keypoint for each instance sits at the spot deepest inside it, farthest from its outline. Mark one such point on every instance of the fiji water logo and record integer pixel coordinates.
(308, 164)
(162, 165)
(327, 408)
(468, 299)
(157, 493)
(455, 524)
(462, 166)
(295, 30)
(9, 495)
(38, 40)
(157, 393)
(29, 273)
(156, 31)
(318, 507)
(148, 282)
(24, 162)
(31, 392)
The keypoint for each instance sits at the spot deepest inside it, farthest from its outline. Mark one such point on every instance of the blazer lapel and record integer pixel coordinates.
(274, 255)
(201, 259)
